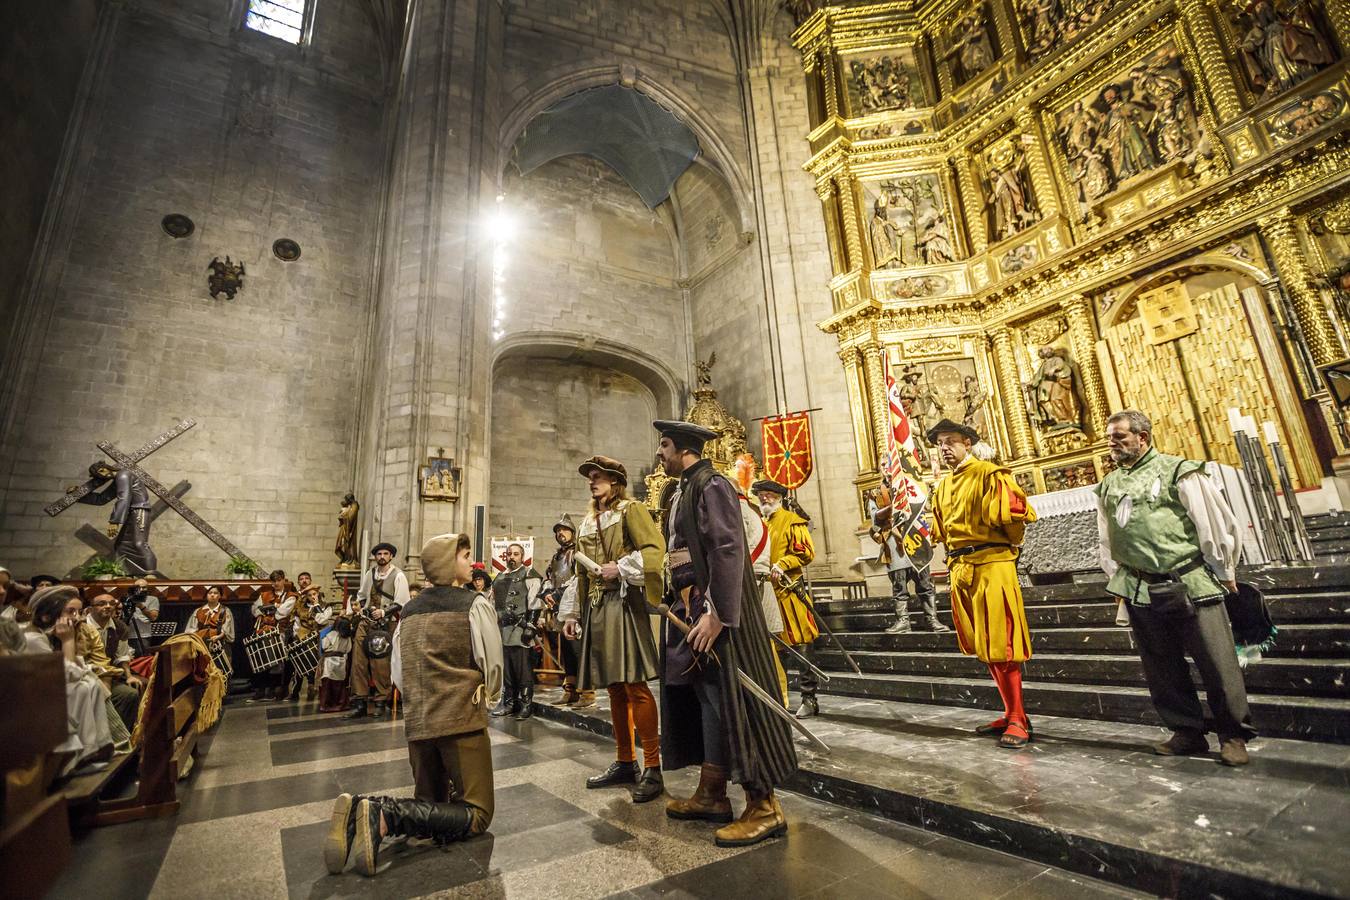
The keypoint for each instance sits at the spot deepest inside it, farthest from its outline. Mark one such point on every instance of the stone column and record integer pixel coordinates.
(1038, 160)
(431, 338)
(876, 393)
(1213, 61)
(1010, 385)
(1082, 339)
(859, 408)
(1319, 334)
(971, 203)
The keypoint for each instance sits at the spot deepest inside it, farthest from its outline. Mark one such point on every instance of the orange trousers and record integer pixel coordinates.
(632, 707)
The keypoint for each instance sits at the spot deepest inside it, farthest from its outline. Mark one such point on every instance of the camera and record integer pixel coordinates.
(134, 598)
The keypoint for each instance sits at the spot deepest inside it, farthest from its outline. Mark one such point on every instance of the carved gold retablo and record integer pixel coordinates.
(1167, 313)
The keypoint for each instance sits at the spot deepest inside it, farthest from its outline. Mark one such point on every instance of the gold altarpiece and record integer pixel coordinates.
(1011, 175)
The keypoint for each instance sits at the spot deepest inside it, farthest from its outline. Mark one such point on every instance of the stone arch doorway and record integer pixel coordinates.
(557, 399)
(1232, 360)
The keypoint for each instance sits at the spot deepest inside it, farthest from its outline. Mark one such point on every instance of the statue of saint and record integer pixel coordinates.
(936, 242)
(1057, 390)
(885, 237)
(129, 524)
(973, 398)
(1280, 49)
(345, 548)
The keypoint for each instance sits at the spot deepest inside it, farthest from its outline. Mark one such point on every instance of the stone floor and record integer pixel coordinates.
(255, 810)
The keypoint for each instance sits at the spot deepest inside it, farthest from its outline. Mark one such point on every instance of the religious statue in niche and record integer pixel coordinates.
(345, 548)
(973, 398)
(440, 478)
(1010, 204)
(884, 235)
(1281, 47)
(1131, 127)
(921, 404)
(1047, 24)
(1055, 391)
(1308, 114)
(972, 46)
(909, 226)
(946, 387)
(885, 82)
(226, 277)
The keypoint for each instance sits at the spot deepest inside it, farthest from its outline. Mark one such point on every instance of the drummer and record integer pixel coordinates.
(213, 619)
(311, 615)
(272, 612)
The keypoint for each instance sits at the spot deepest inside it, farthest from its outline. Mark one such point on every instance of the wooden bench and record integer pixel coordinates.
(34, 831)
(168, 741)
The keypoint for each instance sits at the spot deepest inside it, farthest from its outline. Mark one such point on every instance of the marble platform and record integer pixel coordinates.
(1085, 796)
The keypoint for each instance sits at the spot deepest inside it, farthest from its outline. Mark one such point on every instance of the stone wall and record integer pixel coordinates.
(547, 418)
(254, 143)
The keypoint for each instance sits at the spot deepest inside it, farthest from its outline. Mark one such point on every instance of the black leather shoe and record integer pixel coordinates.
(358, 710)
(649, 786)
(933, 625)
(617, 773)
(526, 704)
(381, 711)
(901, 625)
(505, 708)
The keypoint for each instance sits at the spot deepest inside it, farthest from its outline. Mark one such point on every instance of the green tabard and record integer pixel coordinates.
(1158, 536)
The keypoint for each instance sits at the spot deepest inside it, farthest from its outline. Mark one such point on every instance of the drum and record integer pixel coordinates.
(265, 650)
(305, 655)
(220, 655)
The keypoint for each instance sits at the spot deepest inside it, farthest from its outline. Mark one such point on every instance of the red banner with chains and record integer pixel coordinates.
(787, 448)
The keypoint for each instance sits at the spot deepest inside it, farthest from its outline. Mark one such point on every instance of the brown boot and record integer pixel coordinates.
(709, 803)
(585, 700)
(762, 819)
(570, 696)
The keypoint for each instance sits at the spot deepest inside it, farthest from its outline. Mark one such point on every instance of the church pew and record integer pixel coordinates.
(34, 832)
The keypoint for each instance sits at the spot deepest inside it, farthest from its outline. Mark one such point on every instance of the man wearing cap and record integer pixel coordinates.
(708, 718)
(614, 605)
(790, 552)
(559, 577)
(902, 572)
(980, 514)
(515, 593)
(383, 591)
(447, 663)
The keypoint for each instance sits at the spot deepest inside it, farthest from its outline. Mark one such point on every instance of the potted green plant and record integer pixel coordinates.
(101, 569)
(241, 568)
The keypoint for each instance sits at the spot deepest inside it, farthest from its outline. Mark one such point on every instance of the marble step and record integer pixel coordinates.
(1322, 677)
(1301, 718)
(1303, 641)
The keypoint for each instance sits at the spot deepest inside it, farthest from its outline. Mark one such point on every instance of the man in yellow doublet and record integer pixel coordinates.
(980, 514)
(790, 552)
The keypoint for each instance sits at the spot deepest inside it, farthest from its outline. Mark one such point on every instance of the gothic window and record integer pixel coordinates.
(285, 19)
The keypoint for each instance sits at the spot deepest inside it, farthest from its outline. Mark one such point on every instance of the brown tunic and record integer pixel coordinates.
(442, 687)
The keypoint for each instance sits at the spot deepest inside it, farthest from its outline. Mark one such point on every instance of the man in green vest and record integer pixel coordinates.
(1170, 544)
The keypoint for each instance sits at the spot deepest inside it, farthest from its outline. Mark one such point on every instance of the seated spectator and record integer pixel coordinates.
(13, 598)
(147, 611)
(106, 652)
(53, 628)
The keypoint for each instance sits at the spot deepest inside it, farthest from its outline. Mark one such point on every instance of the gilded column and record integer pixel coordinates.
(1281, 231)
(971, 203)
(1213, 62)
(1339, 13)
(1004, 25)
(848, 211)
(1019, 429)
(859, 408)
(1083, 340)
(946, 80)
(830, 209)
(829, 73)
(1039, 162)
(876, 392)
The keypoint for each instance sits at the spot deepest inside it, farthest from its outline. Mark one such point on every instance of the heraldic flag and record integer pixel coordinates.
(787, 448)
(909, 514)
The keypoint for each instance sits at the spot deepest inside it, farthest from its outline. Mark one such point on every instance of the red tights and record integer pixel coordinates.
(1008, 677)
(632, 707)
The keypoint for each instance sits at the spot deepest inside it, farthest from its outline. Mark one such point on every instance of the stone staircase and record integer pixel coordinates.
(1330, 534)
(1086, 667)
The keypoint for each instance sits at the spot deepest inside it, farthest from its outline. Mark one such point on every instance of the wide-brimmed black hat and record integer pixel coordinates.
(766, 484)
(606, 464)
(393, 551)
(947, 426)
(685, 435)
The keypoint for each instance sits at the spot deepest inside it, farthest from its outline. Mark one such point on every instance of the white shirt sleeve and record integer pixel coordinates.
(567, 606)
(486, 640)
(286, 606)
(401, 594)
(396, 661)
(1108, 564)
(630, 568)
(192, 623)
(227, 626)
(367, 584)
(1216, 527)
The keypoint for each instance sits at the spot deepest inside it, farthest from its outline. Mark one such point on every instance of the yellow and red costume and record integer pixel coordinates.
(980, 514)
(790, 551)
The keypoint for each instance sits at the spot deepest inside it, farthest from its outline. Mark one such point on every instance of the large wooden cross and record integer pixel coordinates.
(130, 463)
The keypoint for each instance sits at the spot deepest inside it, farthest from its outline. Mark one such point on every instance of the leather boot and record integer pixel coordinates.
(381, 710)
(508, 706)
(526, 703)
(650, 786)
(586, 700)
(709, 803)
(570, 695)
(441, 822)
(617, 773)
(1183, 743)
(762, 819)
(810, 707)
(358, 710)
(931, 623)
(901, 625)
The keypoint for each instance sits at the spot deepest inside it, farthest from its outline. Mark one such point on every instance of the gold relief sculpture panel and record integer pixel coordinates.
(971, 45)
(909, 222)
(1137, 122)
(883, 81)
(1306, 115)
(1280, 45)
(1010, 205)
(1048, 25)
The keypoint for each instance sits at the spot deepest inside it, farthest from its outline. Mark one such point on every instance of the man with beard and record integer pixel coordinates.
(1170, 543)
(707, 717)
(557, 579)
(515, 593)
(383, 592)
(790, 552)
(980, 514)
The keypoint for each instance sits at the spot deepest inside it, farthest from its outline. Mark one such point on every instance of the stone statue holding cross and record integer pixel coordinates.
(129, 524)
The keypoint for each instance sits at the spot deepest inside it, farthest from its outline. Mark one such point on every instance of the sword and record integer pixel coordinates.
(748, 683)
(799, 588)
(804, 661)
